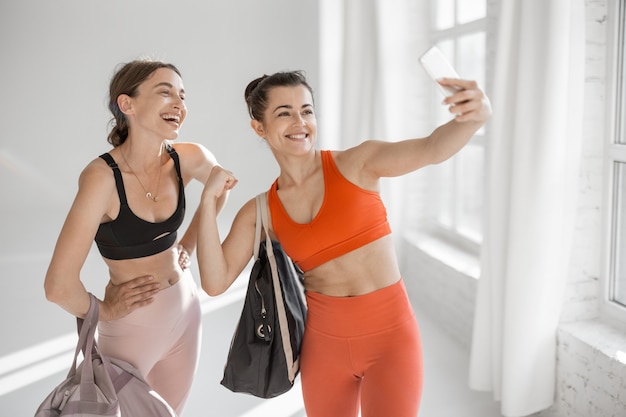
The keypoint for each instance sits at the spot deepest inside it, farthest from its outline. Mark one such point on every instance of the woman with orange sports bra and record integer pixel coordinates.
(131, 201)
(361, 347)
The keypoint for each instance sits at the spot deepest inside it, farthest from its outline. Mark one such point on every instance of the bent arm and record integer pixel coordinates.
(199, 162)
(221, 263)
(62, 283)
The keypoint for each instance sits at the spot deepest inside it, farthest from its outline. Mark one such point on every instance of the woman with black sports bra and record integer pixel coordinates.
(361, 348)
(131, 201)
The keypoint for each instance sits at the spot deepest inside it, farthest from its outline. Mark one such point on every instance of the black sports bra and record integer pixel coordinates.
(128, 236)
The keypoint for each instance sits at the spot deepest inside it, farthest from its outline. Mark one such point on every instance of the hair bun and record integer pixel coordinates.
(253, 85)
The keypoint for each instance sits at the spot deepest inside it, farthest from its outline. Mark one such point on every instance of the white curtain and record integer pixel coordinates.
(368, 65)
(533, 160)
(352, 69)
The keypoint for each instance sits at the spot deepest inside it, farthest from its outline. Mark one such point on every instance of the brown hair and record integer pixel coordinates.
(257, 91)
(126, 81)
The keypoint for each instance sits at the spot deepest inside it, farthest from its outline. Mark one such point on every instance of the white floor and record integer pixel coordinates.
(446, 392)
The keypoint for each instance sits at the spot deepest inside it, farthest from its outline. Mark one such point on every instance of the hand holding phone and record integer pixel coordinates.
(437, 66)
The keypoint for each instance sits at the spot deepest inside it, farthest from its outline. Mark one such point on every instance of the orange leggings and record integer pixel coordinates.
(362, 351)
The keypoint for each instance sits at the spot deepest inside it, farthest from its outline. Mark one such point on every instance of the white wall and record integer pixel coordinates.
(57, 60)
(59, 56)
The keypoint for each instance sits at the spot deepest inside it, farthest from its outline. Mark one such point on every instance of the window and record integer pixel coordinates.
(451, 193)
(616, 177)
(618, 273)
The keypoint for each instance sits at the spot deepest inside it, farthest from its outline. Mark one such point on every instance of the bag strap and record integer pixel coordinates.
(292, 366)
(86, 334)
(119, 183)
(257, 234)
(87, 344)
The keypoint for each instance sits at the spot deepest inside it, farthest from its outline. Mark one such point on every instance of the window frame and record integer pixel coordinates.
(615, 151)
(453, 235)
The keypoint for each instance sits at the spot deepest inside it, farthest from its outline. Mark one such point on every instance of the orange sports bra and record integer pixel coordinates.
(350, 217)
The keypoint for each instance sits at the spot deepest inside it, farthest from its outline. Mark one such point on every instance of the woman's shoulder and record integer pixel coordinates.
(98, 167)
(246, 214)
(360, 153)
(97, 178)
(193, 151)
(187, 146)
(248, 210)
(196, 161)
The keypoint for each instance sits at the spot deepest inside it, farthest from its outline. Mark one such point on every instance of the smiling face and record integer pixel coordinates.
(289, 124)
(158, 107)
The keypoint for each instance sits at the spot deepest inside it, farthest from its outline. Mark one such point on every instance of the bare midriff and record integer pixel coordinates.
(163, 266)
(361, 271)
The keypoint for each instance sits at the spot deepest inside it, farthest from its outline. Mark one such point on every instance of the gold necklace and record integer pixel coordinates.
(149, 195)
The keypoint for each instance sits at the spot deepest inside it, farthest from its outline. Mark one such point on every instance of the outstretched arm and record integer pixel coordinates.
(471, 109)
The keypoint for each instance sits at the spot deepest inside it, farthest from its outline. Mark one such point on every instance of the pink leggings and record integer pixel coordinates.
(162, 340)
(361, 350)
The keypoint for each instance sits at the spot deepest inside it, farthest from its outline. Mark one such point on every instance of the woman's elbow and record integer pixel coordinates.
(212, 289)
(54, 292)
(211, 286)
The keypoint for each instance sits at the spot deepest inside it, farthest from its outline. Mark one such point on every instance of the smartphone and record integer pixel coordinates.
(437, 66)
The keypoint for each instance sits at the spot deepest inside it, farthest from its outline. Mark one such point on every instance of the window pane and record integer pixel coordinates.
(453, 201)
(470, 192)
(619, 230)
(444, 13)
(469, 10)
(443, 195)
(471, 57)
